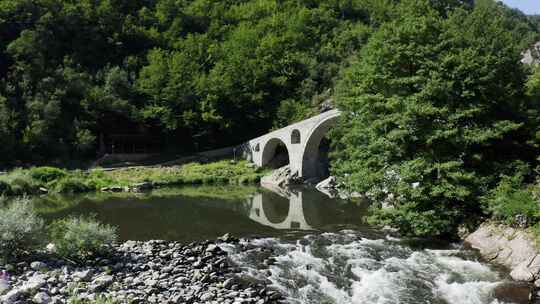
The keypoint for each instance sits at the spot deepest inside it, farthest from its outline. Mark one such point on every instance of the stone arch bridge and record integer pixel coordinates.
(301, 139)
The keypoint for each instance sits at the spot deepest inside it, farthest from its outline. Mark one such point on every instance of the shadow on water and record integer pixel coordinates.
(207, 212)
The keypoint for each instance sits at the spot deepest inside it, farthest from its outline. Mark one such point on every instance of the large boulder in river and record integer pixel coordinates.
(512, 292)
(141, 187)
(281, 177)
(329, 187)
(329, 183)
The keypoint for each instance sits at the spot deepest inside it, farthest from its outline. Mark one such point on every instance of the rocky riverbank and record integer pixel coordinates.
(138, 272)
(513, 248)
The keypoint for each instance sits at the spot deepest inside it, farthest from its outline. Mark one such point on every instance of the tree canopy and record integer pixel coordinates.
(197, 73)
(435, 110)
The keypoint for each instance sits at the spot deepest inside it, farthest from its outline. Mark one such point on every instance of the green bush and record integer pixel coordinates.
(5, 188)
(254, 178)
(98, 179)
(247, 179)
(535, 189)
(509, 199)
(78, 238)
(72, 185)
(23, 184)
(412, 220)
(47, 174)
(20, 229)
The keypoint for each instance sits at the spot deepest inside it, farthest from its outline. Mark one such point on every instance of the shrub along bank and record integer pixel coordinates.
(515, 203)
(54, 180)
(23, 232)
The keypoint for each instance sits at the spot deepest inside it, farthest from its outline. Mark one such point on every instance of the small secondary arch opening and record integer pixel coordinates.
(275, 154)
(295, 137)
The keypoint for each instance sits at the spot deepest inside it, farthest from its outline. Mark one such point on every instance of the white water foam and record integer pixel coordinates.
(344, 268)
(474, 292)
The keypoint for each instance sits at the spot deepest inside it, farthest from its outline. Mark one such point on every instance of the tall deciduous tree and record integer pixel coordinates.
(433, 112)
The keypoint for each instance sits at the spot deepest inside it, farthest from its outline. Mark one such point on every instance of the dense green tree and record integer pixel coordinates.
(532, 90)
(434, 111)
(8, 131)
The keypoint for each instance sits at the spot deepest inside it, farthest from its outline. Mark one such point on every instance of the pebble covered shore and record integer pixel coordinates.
(139, 272)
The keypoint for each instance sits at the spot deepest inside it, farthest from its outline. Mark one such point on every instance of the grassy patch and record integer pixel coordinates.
(54, 180)
(512, 199)
(222, 172)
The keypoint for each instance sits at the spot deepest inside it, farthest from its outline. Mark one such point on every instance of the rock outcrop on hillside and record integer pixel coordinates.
(532, 55)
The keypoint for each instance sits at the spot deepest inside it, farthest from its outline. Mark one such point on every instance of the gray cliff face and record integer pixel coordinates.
(513, 248)
(532, 55)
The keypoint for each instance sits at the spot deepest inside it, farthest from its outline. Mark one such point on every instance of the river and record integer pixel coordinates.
(312, 248)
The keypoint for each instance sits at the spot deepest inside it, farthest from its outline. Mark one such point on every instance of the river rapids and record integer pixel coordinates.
(347, 268)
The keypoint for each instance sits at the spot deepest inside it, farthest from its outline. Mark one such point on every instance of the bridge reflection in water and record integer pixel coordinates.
(303, 209)
(265, 210)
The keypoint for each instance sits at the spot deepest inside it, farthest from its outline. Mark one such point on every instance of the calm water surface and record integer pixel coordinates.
(198, 213)
(322, 251)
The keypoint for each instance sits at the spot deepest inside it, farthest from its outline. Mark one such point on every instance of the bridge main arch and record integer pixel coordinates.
(274, 148)
(311, 153)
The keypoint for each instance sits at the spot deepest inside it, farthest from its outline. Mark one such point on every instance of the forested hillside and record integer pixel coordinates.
(194, 74)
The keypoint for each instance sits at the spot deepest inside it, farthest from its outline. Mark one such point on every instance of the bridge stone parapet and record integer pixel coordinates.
(302, 140)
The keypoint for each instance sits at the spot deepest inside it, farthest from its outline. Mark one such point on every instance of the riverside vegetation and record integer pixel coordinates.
(54, 180)
(23, 232)
(439, 119)
(440, 124)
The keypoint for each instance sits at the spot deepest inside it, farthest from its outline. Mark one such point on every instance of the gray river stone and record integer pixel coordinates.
(84, 275)
(142, 272)
(34, 283)
(38, 266)
(42, 298)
